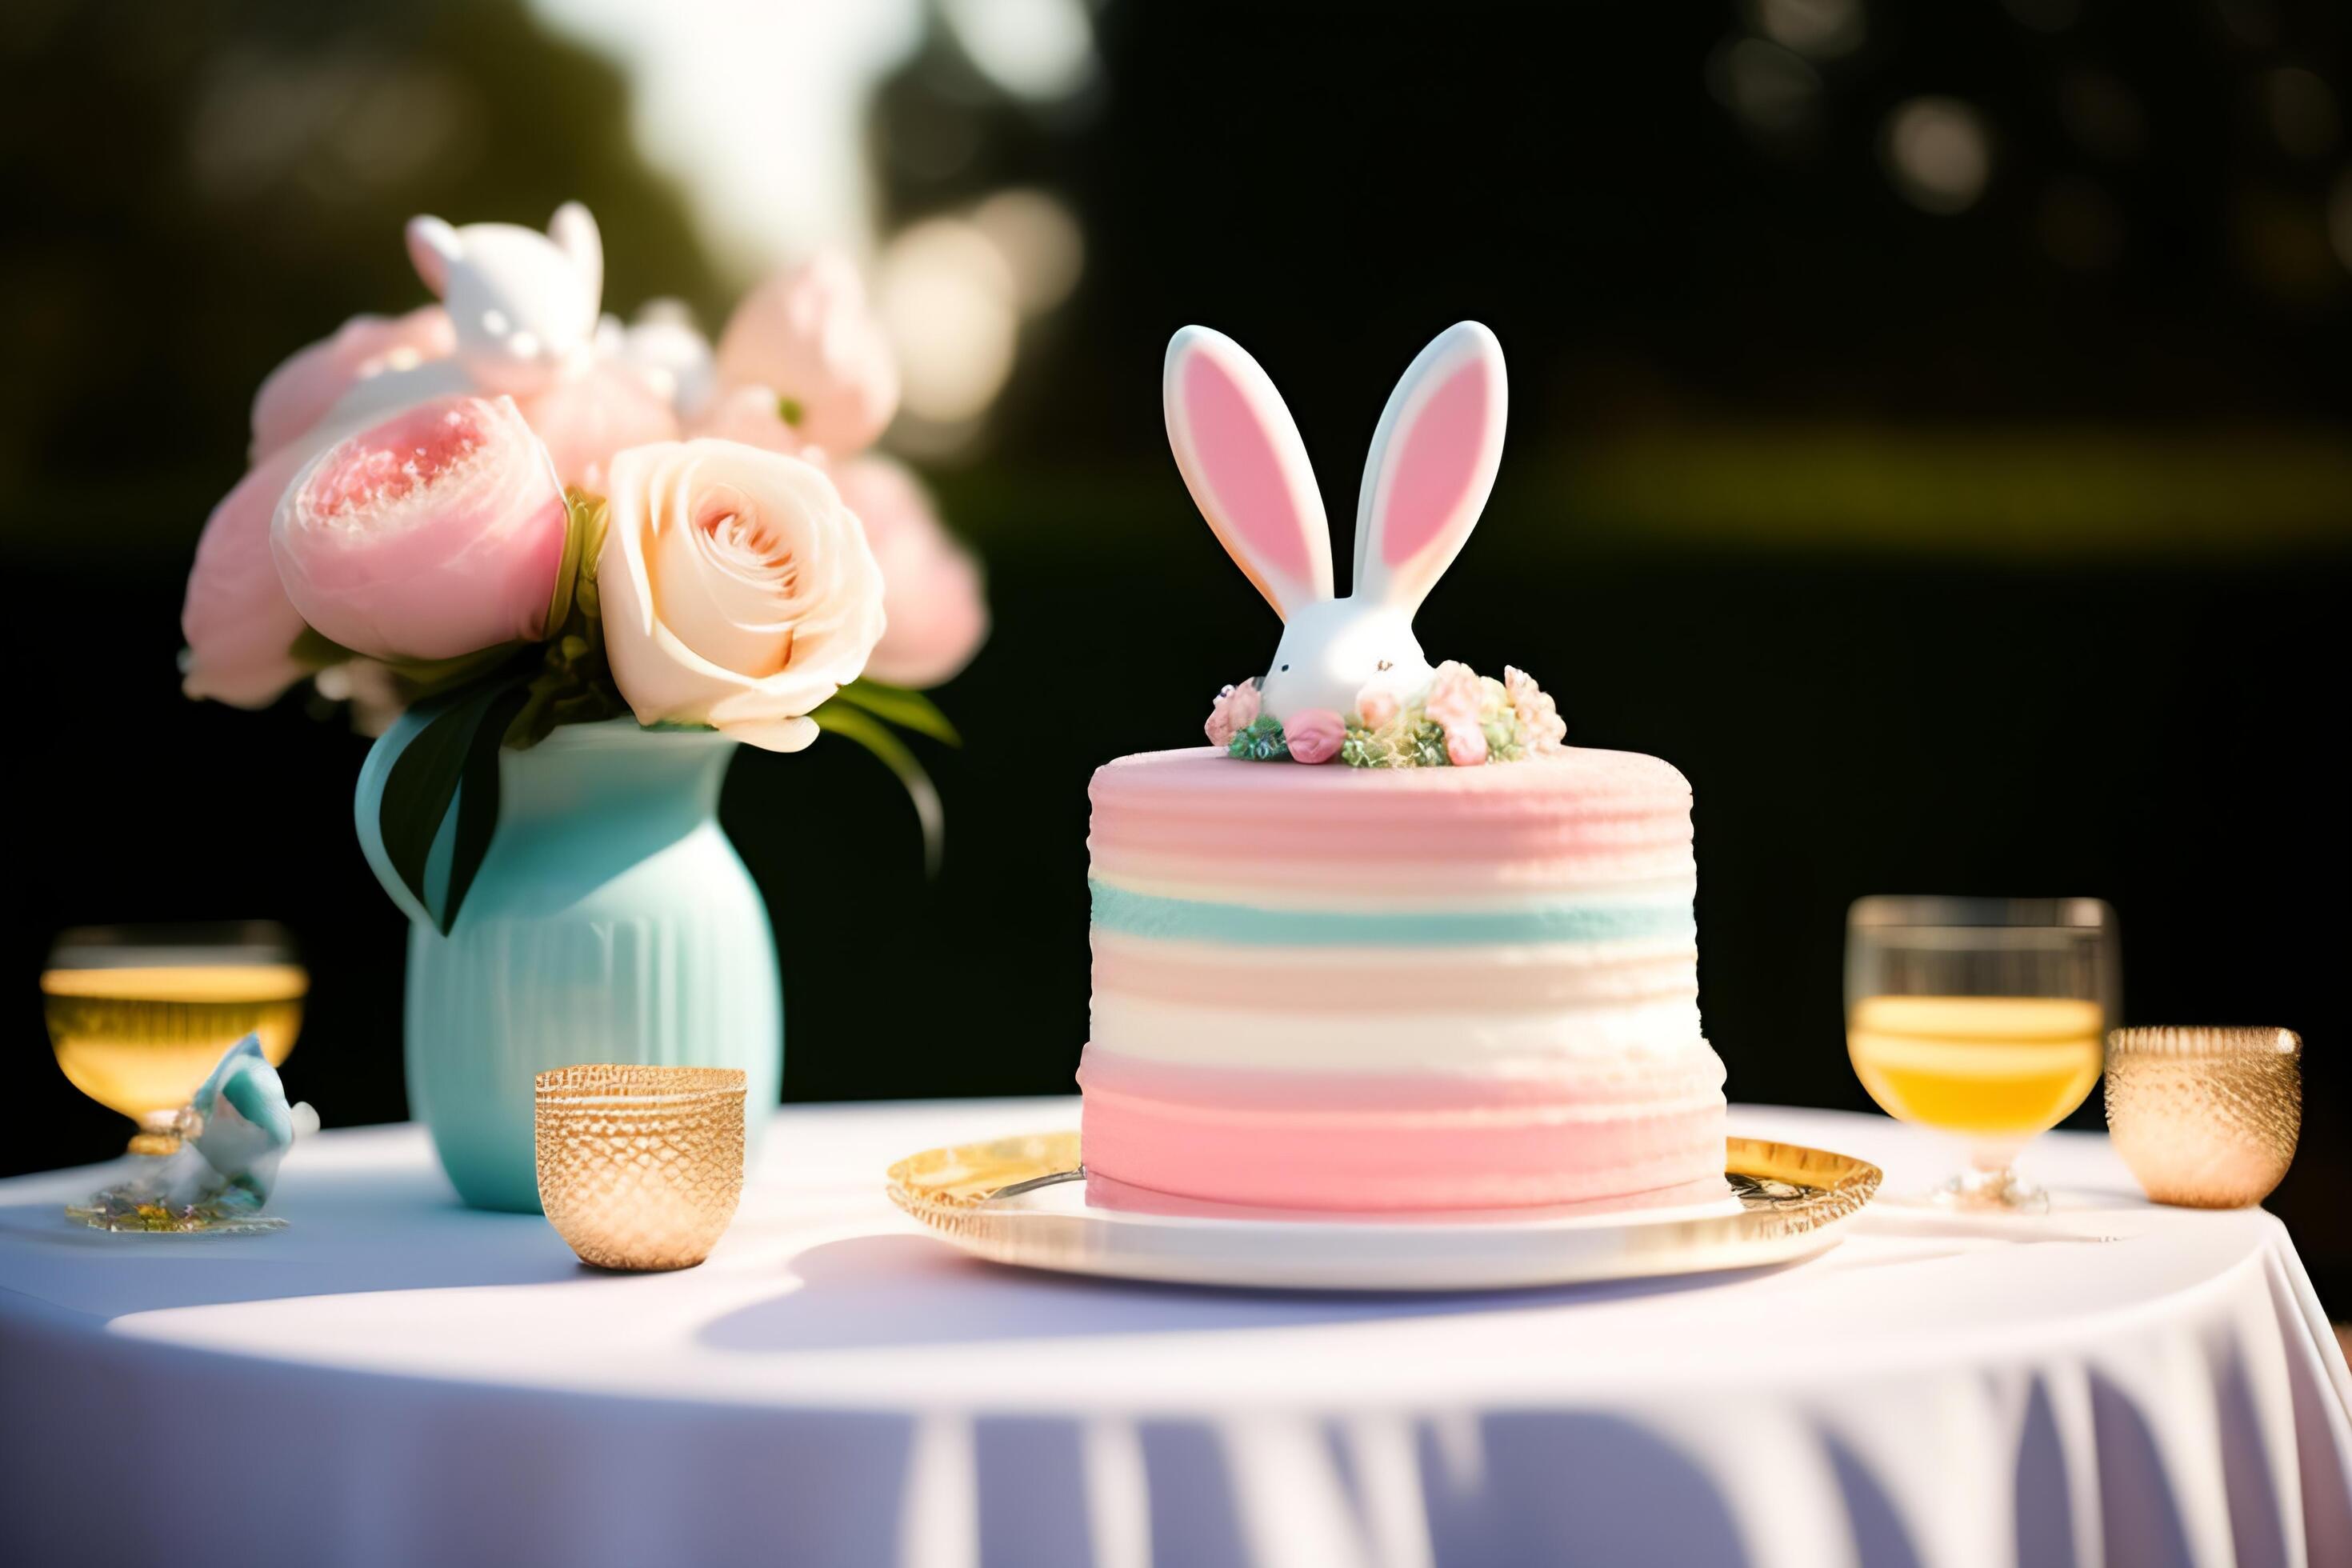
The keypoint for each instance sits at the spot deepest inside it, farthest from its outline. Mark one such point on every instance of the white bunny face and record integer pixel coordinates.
(1432, 464)
(1333, 648)
(524, 304)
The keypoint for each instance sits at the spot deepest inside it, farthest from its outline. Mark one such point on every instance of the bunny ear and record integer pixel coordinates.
(1246, 468)
(1432, 464)
(573, 230)
(433, 247)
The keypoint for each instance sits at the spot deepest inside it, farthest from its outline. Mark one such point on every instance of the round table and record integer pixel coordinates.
(396, 1379)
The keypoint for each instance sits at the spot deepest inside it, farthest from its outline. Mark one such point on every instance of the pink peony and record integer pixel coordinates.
(1455, 695)
(585, 420)
(1378, 707)
(1539, 717)
(435, 533)
(748, 414)
(931, 594)
(1466, 747)
(1314, 736)
(238, 623)
(806, 334)
(1236, 710)
(298, 392)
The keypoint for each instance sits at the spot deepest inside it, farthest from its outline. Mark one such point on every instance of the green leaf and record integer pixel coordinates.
(478, 802)
(424, 779)
(907, 710)
(583, 540)
(878, 738)
(422, 679)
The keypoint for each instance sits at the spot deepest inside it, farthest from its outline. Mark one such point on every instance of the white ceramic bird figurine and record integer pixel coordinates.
(524, 306)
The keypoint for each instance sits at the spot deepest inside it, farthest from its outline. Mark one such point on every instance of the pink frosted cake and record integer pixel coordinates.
(1450, 962)
(1333, 988)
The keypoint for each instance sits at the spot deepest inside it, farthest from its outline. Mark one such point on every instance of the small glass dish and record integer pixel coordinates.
(640, 1168)
(2206, 1118)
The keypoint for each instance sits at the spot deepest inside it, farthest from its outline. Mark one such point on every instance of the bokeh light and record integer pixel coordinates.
(950, 304)
(1822, 29)
(1774, 93)
(2302, 112)
(1939, 153)
(1037, 49)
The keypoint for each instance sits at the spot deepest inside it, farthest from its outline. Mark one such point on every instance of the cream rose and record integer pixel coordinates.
(737, 591)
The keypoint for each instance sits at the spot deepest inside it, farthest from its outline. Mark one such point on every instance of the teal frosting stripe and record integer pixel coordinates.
(1183, 919)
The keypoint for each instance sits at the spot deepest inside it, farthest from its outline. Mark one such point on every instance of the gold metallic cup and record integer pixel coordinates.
(640, 1167)
(2206, 1118)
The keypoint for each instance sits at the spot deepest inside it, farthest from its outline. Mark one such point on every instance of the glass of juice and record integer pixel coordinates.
(139, 1014)
(1984, 1017)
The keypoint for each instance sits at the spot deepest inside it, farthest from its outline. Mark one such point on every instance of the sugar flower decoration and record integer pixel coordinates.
(1459, 720)
(1536, 714)
(1236, 708)
(1314, 736)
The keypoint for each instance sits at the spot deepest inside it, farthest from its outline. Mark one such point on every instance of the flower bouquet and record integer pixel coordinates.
(565, 564)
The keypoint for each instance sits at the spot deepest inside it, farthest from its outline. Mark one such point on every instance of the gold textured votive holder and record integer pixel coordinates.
(640, 1167)
(2206, 1118)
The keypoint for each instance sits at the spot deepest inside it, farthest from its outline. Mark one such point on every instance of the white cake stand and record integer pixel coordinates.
(1026, 1201)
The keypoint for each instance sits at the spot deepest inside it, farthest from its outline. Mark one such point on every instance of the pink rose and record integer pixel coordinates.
(738, 592)
(807, 335)
(435, 533)
(1466, 747)
(1377, 706)
(1314, 735)
(930, 584)
(297, 394)
(1455, 695)
(585, 420)
(1236, 710)
(239, 625)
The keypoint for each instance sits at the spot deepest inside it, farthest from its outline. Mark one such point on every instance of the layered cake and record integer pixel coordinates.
(1387, 942)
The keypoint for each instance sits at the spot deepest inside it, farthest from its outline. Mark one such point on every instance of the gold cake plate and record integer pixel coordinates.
(1024, 1201)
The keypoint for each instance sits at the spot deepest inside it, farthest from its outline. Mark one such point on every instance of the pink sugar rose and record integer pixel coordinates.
(1455, 695)
(932, 596)
(1466, 747)
(1236, 710)
(1377, 707)
(1314, 736)
(807, 335)
(298, 392)
(435, 533)
(241, 628)
(1538, 716)
(584, 421)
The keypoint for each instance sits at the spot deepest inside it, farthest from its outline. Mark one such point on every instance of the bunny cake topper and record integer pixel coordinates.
(1349, 679)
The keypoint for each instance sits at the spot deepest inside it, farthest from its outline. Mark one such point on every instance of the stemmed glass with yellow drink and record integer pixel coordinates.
(139, 1014)
(1984, 1017)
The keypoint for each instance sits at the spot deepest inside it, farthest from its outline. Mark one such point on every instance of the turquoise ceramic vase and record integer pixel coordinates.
(610, 921)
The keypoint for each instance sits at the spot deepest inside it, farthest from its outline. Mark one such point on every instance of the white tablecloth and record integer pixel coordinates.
(396, 1379)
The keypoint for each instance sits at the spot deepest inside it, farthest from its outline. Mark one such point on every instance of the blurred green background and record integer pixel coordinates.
(1928, 431)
